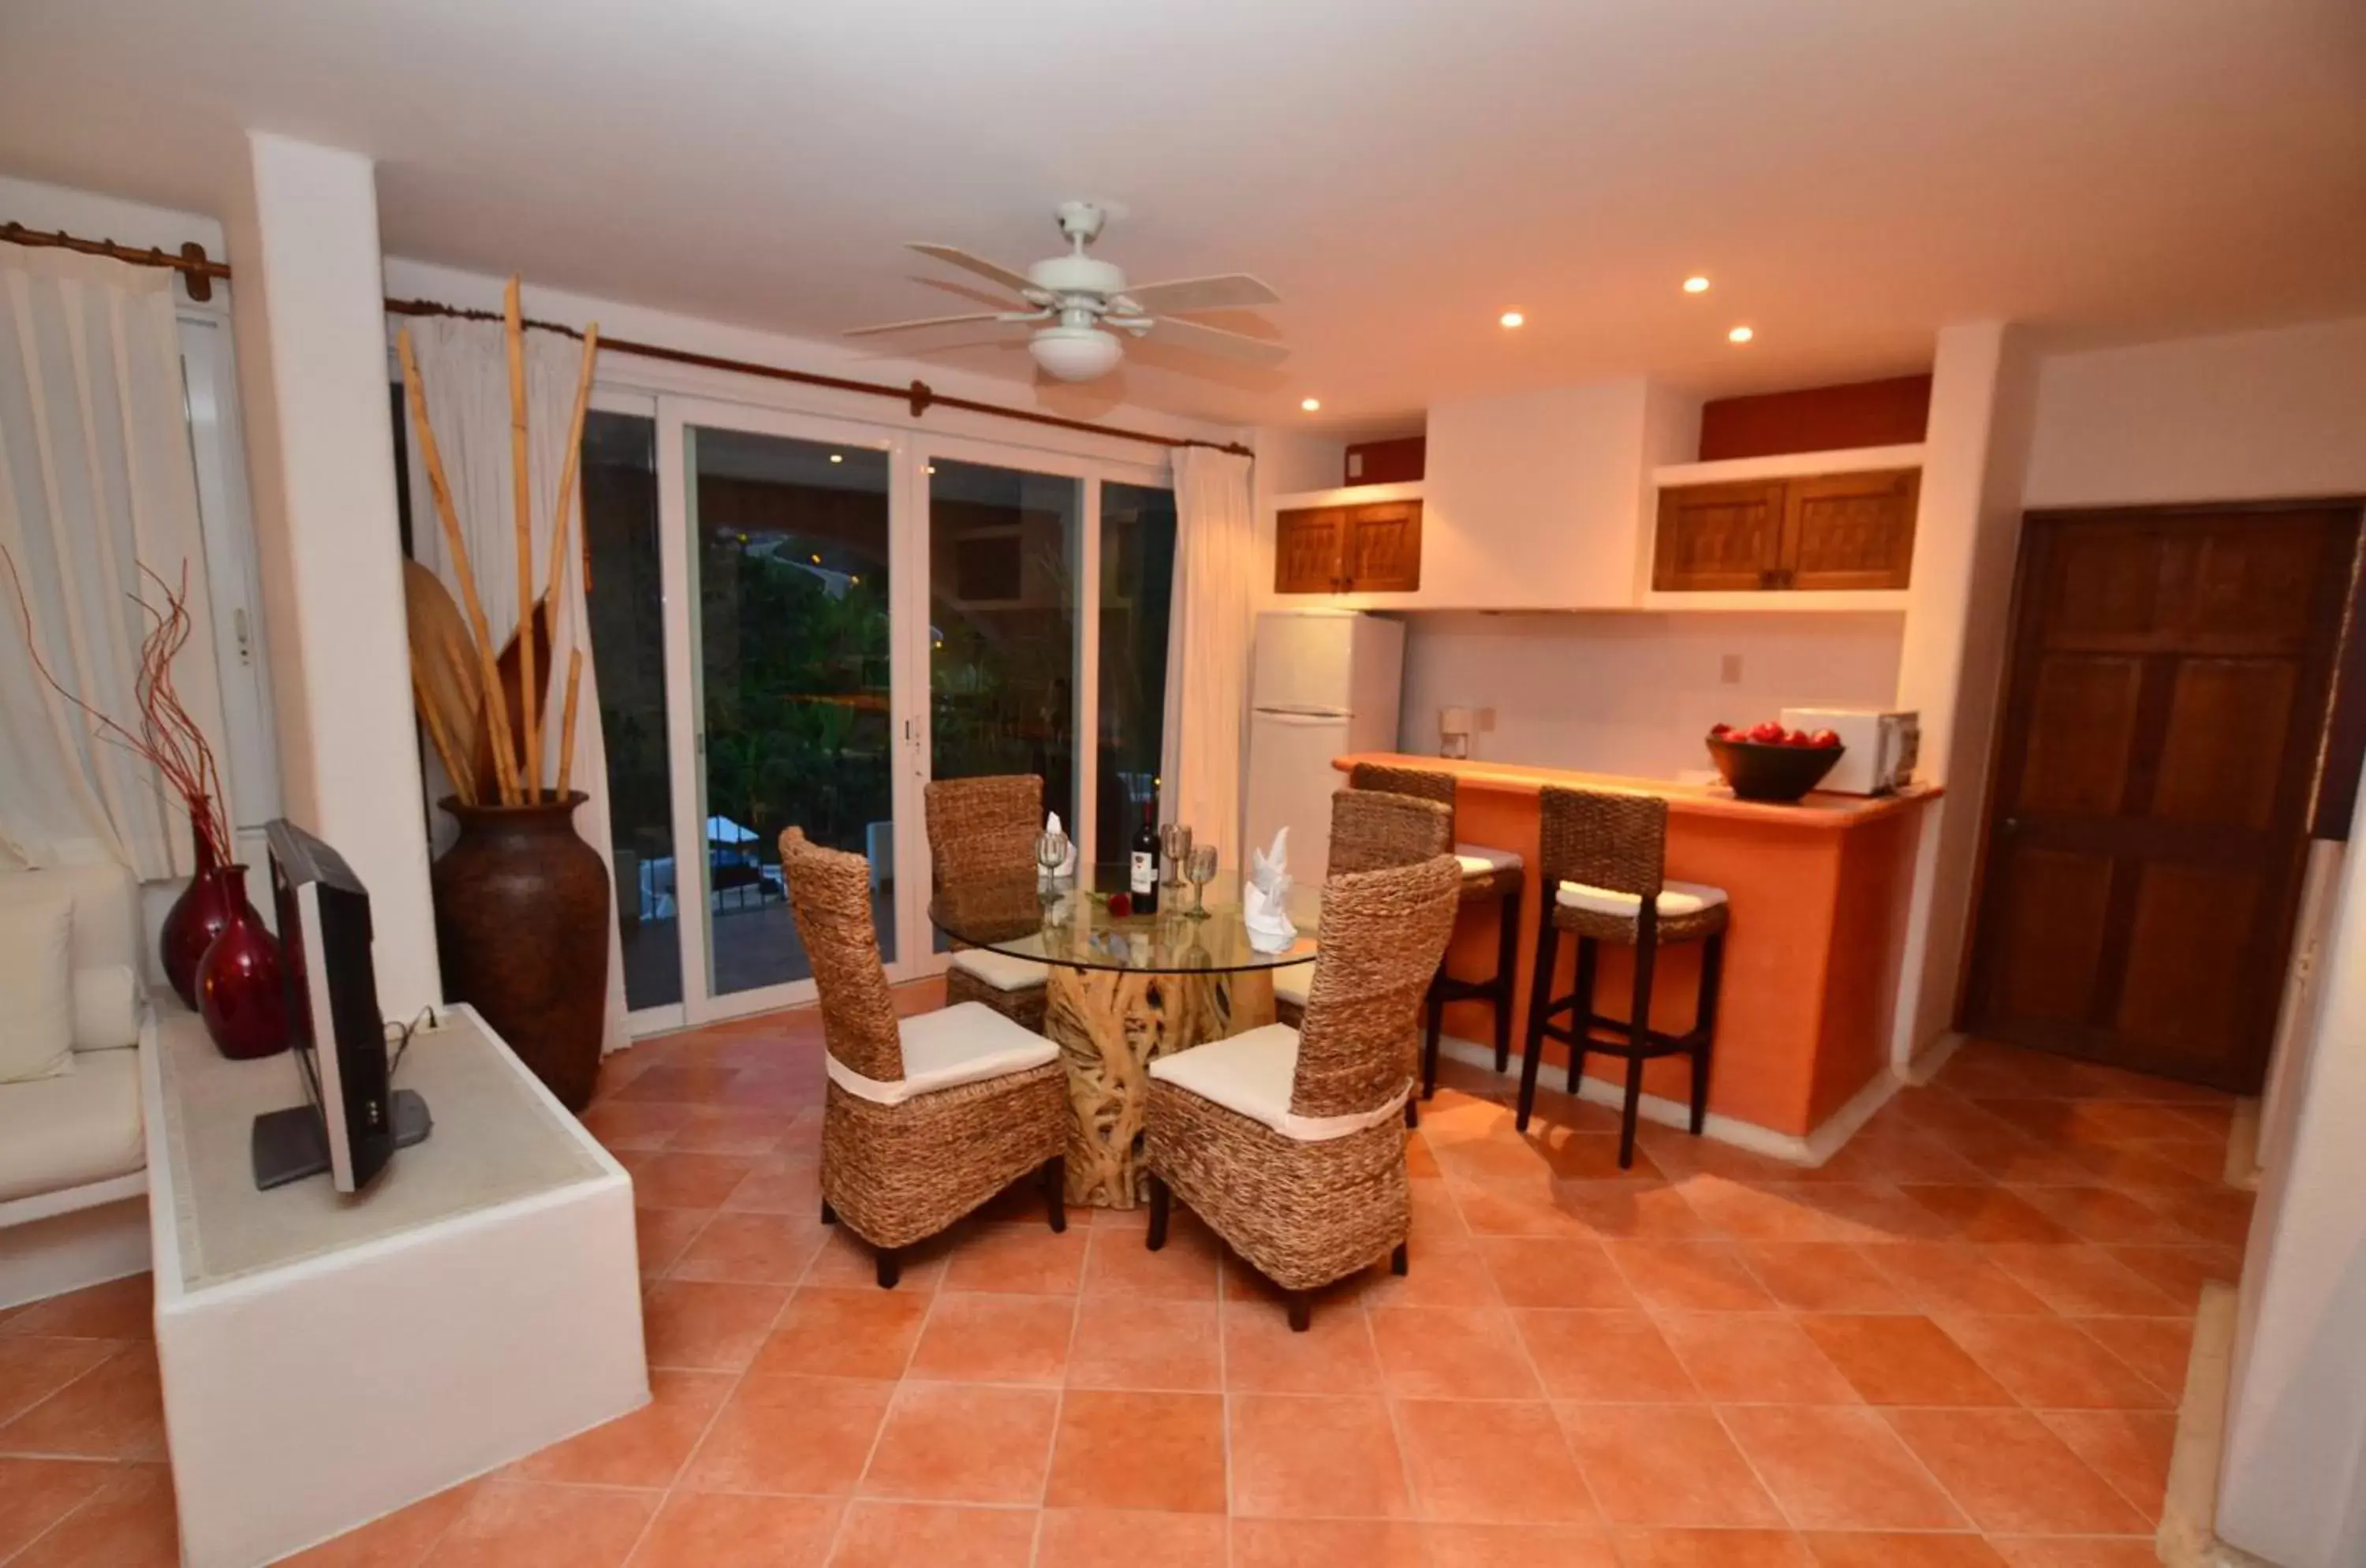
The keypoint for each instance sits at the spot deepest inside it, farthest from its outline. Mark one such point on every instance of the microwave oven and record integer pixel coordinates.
(1881, 746)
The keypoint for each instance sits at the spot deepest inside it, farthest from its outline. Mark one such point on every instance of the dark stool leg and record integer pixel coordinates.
(1159, 1198)
(828, 1214)
(1639, 1035)
(1539, 998)
(1589, 952)
(1301, 1310)
(1705, 1026)
(1412, 1112)
(1399, 1261)
(1054, 1177)
(1507, 968)
(891, 1268)
(1434, 1023)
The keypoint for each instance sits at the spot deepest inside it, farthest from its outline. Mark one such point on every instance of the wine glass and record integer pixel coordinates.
(1200, 869)
(1051, 854)
(1176, 839)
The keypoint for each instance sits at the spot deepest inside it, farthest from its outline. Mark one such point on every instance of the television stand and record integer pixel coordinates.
(292, 1144)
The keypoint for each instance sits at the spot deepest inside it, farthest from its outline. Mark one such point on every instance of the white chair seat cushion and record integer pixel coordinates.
(70, 1131)
(948, 1048)
(1483, 860)
(1290, 984)
(1000, 970)
(1254, 1074)
(1676, 898)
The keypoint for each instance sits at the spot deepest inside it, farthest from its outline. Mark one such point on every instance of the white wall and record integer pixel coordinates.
(1633, 692)
(2246, 416)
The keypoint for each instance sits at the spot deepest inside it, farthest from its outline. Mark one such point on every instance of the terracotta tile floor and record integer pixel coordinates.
(1961, 1342)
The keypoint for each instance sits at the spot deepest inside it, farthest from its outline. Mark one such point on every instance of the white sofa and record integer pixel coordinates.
(73, 1180)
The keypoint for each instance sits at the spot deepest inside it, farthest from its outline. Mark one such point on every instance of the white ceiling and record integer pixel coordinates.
(1852, 174)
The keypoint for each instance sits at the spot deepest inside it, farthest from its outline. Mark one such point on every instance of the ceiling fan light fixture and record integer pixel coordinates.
(1075, 354)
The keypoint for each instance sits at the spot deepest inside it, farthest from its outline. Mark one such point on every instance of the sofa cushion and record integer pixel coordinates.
(1000, 970)
(105, 1007)
(946, 1049)
(74, 1129)
(106, 908)
(1255, 1074)
(35, 988)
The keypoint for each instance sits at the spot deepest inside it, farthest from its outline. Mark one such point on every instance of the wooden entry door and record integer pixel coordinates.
(2164, 705)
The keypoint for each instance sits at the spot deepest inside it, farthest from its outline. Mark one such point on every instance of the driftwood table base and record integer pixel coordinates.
(1111, 1024)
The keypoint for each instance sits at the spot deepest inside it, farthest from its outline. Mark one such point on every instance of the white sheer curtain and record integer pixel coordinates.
(1208, 642)
(465, 368)
(95, 480)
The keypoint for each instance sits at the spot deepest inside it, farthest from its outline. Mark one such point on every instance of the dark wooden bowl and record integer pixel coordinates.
(1776, 772)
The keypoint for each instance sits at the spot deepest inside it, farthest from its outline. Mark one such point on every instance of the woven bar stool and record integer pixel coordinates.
(1489, 876)
(1605, 859)
(984, 829)
(1370, 830)
(926, 1117)
(1285, 1141)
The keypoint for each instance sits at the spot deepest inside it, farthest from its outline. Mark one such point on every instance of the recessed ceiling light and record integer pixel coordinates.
(836, 457)
(1695, 285)
(1741, 334)
(1511, 318)
(1309, 404)
(932, 467)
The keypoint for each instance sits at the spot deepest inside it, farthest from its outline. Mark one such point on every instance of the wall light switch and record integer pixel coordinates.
(1728, 671)
(1355, 465)
(1484, 721)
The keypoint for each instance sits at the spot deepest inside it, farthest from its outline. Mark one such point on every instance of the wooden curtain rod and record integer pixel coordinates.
(201, 270)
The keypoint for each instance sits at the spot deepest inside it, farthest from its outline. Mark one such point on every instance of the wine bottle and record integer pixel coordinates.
(1142, 868)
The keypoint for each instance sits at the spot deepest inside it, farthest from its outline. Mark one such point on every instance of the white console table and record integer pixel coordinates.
(329, 1358)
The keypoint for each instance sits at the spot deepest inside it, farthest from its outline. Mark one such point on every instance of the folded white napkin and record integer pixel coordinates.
(1264, 901)
(1052, 825)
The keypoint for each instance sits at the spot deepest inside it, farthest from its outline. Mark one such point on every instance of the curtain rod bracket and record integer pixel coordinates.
(194, 279)
(922, 397)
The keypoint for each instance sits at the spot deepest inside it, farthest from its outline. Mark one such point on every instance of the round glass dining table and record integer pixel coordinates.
(1122, 989)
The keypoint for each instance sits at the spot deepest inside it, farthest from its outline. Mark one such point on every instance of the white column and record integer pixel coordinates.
(2292, 1485)
(311, 322)
(1967, 531)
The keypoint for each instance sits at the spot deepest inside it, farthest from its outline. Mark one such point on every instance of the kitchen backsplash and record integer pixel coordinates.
(1625, 692)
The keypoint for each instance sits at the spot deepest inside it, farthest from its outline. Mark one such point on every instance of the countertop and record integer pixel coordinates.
(1818, 810)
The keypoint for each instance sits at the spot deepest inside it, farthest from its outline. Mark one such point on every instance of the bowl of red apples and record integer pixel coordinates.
(1766, 762)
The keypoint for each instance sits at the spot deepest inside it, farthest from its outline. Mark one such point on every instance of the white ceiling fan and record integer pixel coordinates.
(1083, 303)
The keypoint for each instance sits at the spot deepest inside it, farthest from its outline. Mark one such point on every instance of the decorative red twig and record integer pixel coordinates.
(168, 738)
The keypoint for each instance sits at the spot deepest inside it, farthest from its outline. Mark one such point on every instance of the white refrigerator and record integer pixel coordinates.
(1323, 683)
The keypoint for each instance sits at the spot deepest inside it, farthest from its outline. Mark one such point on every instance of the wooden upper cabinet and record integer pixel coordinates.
(1717, 537)
(1307, 549)
(1827, 531)
(1850, 531)
(1374, 549)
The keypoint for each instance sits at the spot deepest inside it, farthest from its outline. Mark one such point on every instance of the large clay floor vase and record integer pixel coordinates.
(242, 988)
(197, 917)
(521, 923)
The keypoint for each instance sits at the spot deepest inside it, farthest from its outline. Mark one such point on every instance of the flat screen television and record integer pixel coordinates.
(353, 1118)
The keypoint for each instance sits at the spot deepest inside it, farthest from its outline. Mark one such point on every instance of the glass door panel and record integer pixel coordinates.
(1137, 581)
(1006, 554)
(789, 543)
(624, 592)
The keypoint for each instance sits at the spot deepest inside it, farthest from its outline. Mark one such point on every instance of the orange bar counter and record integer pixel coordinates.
(1818, 893)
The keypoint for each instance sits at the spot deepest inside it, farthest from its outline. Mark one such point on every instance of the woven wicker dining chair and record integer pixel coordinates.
(1605, 859)
(926, 1117)
(1489, 876)
(980, 830)
(1286, 1141)
(1370, 830)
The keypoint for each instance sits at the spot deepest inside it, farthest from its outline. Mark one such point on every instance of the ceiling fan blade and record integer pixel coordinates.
(925, 321)
(1233, 291)
(1218, 341)
(1017, 281)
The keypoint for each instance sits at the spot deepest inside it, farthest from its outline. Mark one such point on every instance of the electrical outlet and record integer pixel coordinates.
(1728, 672)
(1483, 720)
(1355, 465)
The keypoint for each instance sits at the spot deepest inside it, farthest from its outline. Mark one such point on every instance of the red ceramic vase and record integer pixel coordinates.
(241, 991)
(197, 917)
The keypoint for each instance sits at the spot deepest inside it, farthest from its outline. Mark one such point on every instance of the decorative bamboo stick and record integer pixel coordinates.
(497, 707)
(463, 778)
(566, 518)
(566, 724)
(530, 730)
(505, 764)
